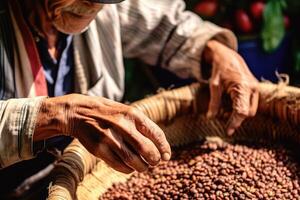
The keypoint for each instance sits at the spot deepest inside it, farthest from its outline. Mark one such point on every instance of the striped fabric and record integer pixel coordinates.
(29, 76)
(157, 32)
(17, 127)
(7, 87)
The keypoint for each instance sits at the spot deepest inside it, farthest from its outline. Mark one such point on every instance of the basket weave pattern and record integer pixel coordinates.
(181, 114)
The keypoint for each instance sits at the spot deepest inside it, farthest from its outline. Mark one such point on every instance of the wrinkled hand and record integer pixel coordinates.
(231, 74)
(120, 135)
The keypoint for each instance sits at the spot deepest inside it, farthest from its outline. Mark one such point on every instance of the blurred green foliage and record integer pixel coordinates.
(273, 29)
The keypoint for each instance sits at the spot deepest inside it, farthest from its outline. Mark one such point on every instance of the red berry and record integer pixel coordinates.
(206, 8)
(243, 21)
(257, 9)
(287, 22)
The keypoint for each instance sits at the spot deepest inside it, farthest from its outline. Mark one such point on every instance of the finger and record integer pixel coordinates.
(143, 146)
(215, 97)
(234, 122)
(152, 131)
(254, 103)
(129, 157)
(240, 96)
(110, 158)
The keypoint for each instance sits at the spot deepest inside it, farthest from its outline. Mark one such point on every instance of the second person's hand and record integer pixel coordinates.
(231, 74)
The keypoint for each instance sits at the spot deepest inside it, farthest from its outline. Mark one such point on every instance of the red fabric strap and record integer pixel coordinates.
(40, 83)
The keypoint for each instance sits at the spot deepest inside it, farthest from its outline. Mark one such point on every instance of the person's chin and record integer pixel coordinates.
(70, 29)
(72, 24)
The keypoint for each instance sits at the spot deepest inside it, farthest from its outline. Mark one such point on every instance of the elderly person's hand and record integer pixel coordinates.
(119, 134)
(231, 74)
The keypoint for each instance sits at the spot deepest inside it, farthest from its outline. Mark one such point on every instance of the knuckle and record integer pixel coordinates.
(240, 113)
(121, 118)
(135, 114)
(133, 111)
(143, 128)
(214, 84)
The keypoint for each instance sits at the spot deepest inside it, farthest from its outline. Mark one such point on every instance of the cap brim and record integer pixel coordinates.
(107, 1)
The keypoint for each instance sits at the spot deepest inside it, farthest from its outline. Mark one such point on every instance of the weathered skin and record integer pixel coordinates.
(231, 74)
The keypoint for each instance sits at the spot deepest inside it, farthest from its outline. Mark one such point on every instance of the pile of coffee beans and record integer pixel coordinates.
(217, 170)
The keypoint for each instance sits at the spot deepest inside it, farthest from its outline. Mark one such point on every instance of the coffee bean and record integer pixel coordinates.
(217, 171)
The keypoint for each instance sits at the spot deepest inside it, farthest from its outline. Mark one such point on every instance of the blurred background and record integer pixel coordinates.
(268, 32)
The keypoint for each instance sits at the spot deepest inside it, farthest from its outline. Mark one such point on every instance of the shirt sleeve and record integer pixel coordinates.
(18, 119)
(163, 33)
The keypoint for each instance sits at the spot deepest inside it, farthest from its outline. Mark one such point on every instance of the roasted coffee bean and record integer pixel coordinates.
(217, 171)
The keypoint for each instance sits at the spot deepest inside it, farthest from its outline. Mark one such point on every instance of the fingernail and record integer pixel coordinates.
(230, 131)
(166, 156)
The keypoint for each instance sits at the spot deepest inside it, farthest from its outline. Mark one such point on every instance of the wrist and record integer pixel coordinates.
(51, 120)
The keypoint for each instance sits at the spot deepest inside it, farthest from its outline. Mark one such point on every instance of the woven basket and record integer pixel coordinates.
(181, 114)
